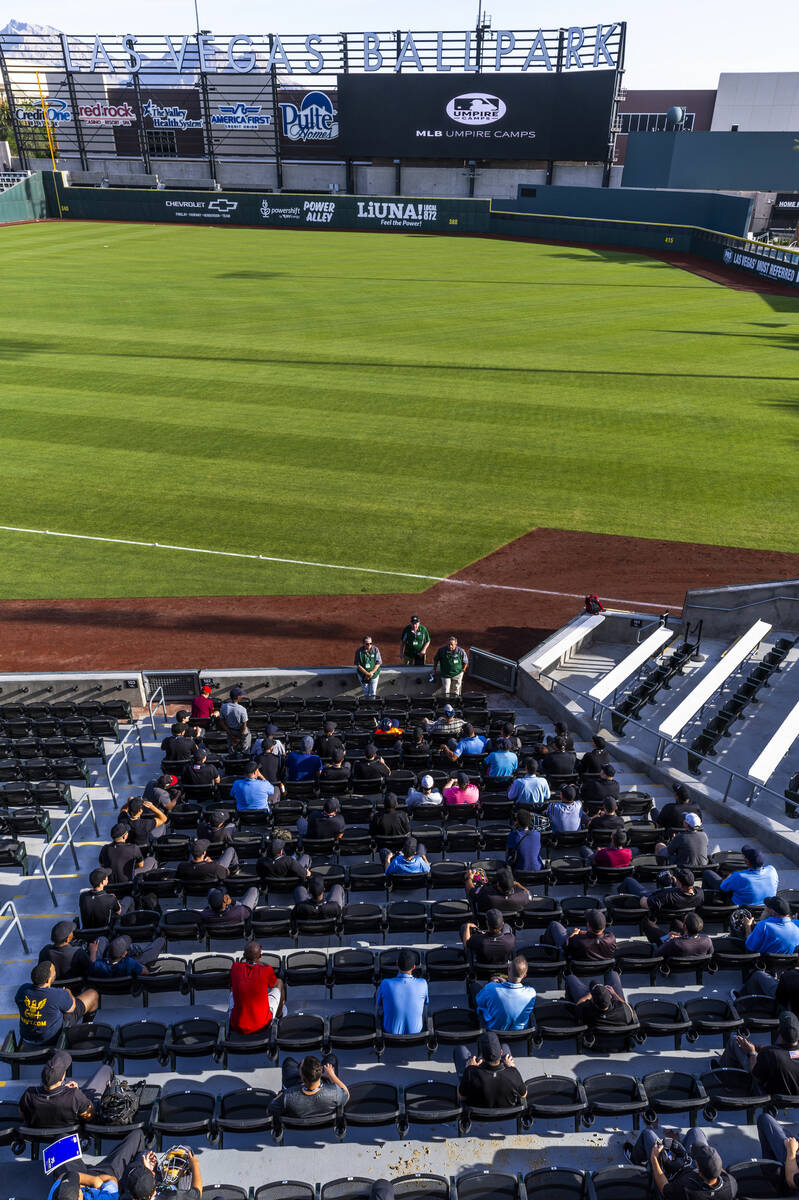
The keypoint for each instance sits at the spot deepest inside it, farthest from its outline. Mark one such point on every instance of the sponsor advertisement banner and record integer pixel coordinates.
(564, 117)
(761, 263)
(308, 123)
(786, 204)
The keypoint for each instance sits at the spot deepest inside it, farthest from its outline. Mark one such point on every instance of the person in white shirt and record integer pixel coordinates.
(427, 794)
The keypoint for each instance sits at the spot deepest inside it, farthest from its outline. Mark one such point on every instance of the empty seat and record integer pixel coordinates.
(614, 1095)
(557, 1183)
(556, 1097)
(622, 1183)
(758, 1178)
(243, 1111)
(732, 1090)
(373, 1104)
(182, 1114)
(670, 1092)
(479, 1185)
(198, 1037)
(663, 1018)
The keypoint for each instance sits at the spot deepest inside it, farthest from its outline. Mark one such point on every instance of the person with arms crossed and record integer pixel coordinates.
(414, 643)
(368, 662)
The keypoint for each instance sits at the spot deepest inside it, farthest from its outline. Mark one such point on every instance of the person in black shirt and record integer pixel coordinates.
(221, 910)
(327, 822)
(595, 791)
(559, 760)
(123, 860)
(144, 821)
(99, 907)
(201, 868)
(592, 762)
(371, 767)
(680, 897)
(608, 818)
(684, 939)
(703, 1178)
(671, 814)
(496, 946)
(416, 742)
(281, 865)
(328, 742)
(199, 772)
(313, 903)
(338, 769)
(488, 1079)
(60, 1101)
(391, 822)
(776, 1068)
(178, 747)
(504, 893)
(65, 954)
(594, 943)
(271, 761)
(601, 1005)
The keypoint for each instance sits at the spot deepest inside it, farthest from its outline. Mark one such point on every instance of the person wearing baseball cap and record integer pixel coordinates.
(488, 1079)
(699, 1173)
(446, 728)
(204, 707)
(689, 847)
(776, 932)
(450, 664)
(414, 643)
(749, 887)
(60, 1102)
(67, 956)
(98, 906)
(233, 718)
(775, 1068)
(367, 662)
(427, 793)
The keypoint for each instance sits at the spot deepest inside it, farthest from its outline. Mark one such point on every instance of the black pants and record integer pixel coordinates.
(125, 1153)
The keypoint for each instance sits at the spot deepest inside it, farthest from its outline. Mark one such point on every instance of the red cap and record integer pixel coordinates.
(206, 689)
(174, 780)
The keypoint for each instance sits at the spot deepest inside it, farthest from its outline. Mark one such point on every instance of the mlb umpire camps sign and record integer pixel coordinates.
(562, 117)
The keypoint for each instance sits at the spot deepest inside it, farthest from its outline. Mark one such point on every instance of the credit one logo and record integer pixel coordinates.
(476, 108)
(313, 121)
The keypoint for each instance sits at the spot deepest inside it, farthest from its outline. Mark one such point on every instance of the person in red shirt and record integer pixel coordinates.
(258, 996)
(203, 707)
(617, 854)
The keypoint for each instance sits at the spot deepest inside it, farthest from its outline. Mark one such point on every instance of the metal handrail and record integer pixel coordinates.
(117, 759)
(153, 703)
(68, 831)
(134, 729)
(749, 604)
(755, 789)
(9, 909)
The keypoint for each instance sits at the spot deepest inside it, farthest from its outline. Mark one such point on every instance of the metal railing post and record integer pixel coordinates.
(153, 703)
(9, 908)
(68, 832)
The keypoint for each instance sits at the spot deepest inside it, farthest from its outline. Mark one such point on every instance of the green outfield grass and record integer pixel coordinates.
(401, 402)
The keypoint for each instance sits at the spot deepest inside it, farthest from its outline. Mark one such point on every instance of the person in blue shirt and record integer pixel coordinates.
(129, 1165)
(501, 762)
(776, 933)
(565, 813)
(253, 792)
(531, 788)
(302, 765)
(402, 1000)
(119, 961)
(523, 847)
(470, 743)
(507, 1003)
(411, 860)
(752, 885)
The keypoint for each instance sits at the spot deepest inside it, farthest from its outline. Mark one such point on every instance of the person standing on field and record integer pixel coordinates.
(450, 663)
(414, 641)
(368, 662)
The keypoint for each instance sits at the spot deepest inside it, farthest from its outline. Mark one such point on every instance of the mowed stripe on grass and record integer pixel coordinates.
(405, 402)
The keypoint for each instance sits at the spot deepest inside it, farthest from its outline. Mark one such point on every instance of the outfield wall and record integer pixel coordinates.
(27, 200)
(392, 214)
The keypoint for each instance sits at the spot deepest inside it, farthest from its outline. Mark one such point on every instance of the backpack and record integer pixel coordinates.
(593, 604)
(120, 1102)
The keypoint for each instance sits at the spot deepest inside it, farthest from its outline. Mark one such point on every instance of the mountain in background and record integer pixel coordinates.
(23, 28)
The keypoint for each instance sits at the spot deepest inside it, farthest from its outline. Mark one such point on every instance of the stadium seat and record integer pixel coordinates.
(243, 1111)
(557, 1183)
(182, 1115)
(555, 1098)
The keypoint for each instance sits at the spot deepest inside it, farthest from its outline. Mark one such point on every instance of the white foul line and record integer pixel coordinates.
(304, 562)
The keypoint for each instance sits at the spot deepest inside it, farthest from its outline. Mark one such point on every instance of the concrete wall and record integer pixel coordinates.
(757, 101)
(317, 683)
(74, 686)
(730, 610)
(713, 161)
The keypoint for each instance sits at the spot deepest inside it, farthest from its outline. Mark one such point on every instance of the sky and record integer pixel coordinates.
(671, 43)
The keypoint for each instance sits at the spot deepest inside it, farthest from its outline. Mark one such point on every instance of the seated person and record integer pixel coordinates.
(676, 893)
(400, 1002)
(128, 1171)
(593, 943)
(122, 959)
(178, 747)
(689, 847)
(371, 766)
(776, 1144)
(45, 1010)
(565, 814)
(311, 1089)
(312, 902)
(164, 792)
(507, 1003)
(752, 885)
(775, 1068)
(144, 821)
(199, 772)
(617, 854)
(387, 733)
(684, 938)
(122, 858)
(202, 869)
(99, 907)
(596, 758)
(696, 1175)
(559, 760)
(593, 791)
(416, 742)
(460, 793)
(58, 1102)
(488, 1079)
(470, 743)
(222, 910)
(601, 1005)
(324, 822)
(303, 765)
(671, 815)
(67, 956)
(279, 865)
(216, 828)
(253, 793)
(428, 793)
(411, 860)
(776, 933)
(257, 995)
(391, 822)
(270, 761)
(501, 762)
(523, 846)
(504, 893)
(531, 788)
(608, 817)
(338, 769)
(493, 946)
(328, 742)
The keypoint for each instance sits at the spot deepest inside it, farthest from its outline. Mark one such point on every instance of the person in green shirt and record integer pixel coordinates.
(450, 663)
(368, 662)
(414, 640)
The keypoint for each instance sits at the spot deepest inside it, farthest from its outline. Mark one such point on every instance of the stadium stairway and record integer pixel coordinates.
(254, 1159)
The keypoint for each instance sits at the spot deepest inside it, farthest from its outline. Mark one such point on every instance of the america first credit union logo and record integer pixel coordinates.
(476, 108)
(314, 120)
(241, 116)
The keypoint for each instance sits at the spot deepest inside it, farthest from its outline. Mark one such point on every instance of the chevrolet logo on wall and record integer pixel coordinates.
(223, 207)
